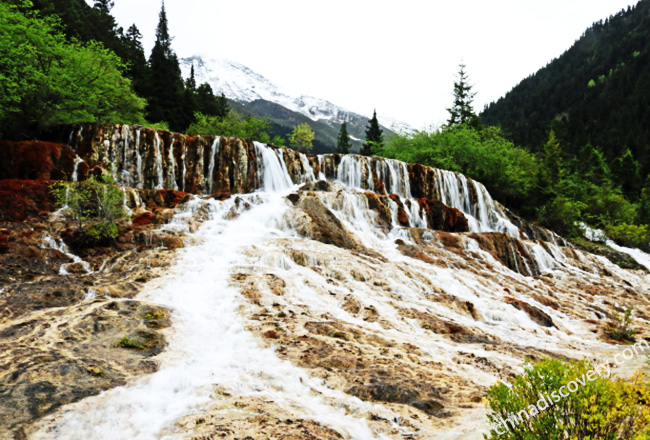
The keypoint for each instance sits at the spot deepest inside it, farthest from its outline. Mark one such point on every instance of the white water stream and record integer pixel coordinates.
(209, 346)
(210, 349)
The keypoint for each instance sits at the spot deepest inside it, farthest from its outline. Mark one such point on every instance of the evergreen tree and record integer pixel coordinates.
(626, 173)
(166, 91)
(206, 102)
(137, 63)
(343, 143)
(374, 137)
(643, 211)
(551, 158)
(190, 83)
(104, 5)
(223, 108)
(593, 166)
(462, 112)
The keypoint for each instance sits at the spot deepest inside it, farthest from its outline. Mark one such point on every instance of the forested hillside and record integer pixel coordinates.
(597, 92)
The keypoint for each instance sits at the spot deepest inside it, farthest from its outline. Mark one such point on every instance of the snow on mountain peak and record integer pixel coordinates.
(241, 84)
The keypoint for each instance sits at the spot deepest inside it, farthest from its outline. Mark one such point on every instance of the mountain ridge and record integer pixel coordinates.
(251, 90)
(595, 91)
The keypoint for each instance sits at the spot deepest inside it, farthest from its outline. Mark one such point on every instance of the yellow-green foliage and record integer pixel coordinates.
(98, 204)
(601, 409)
(621, 326)
(235, 125)
(46, 80)
(629, 234)
(127, 342)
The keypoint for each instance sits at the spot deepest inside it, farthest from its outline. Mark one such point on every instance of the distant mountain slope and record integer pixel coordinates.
(260, 97)
(600, 87)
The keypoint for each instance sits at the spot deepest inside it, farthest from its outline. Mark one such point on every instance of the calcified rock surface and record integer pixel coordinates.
(337, 297)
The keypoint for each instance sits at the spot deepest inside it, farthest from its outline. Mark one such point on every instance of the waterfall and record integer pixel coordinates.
(75, 171)
(271, 169)
(308, 172)
(416, 219)
(159, 164)
(349, 171)
(51, 243)
(125, 205)
(126, 175)
(321, 174)
(138, 158)
(210, 346)
(483, 216)
(371, 181)
(183, 176)
(113, 154)
(213, 154)
(172, 164)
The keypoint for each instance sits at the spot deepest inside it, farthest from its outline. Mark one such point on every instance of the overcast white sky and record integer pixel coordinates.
(399, 57)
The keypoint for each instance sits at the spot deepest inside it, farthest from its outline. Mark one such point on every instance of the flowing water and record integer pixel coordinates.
(211, 354)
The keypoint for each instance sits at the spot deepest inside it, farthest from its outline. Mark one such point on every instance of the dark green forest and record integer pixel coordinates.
(597, 92)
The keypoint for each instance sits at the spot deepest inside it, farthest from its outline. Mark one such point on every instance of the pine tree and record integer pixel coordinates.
(643, 211)
(343, 143)
(166, 89)
(551, 158)
(206, 102)
(374, 137)
(223, 108)
(104, 5)
(462, 112)
(190, 83)
(137, 62)
(626, 173)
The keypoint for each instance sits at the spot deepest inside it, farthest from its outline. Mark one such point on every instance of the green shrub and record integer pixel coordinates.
(620, 328)
(127, 342)
(562, 214)
(507, 171)
(594, 407)
(95, 204)
(234, 124)
(630, 235)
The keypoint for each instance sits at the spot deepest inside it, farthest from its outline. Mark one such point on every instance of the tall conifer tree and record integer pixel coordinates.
(343, 143)
(374, 137)
(165, 86)
(462, 111)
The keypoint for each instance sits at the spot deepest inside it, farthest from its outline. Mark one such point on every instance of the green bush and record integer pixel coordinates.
(556, 400)
(630, 235)
(507, 171)
(562, 215)
(620, 328)
(234, 124)
(94, 205)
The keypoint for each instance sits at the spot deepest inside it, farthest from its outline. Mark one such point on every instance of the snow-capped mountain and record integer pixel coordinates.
(243, 85)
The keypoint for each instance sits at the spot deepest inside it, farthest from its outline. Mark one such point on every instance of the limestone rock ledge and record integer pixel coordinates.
(70, 327)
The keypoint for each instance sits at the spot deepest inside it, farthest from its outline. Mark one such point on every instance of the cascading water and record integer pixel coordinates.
(172, 168)
(138, 160)
(272, 169)
(75, 171)
(214, 151)
(126, 143)
(51, 243)
(210, 346)
(184, 175)
(159, 164)
(308, 172)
